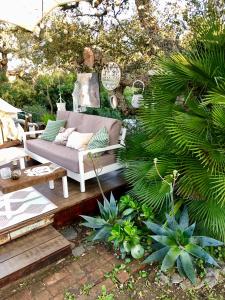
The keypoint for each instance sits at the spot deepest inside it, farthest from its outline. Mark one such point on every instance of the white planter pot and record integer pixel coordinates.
(61, 106)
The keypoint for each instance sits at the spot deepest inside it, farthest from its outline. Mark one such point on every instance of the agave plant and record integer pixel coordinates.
(102, 225)
(120, 225)
(176, 244)
(183, 125)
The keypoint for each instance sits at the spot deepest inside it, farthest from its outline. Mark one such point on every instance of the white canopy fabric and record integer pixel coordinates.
(27, 13)
(8, 129)
(7, 108)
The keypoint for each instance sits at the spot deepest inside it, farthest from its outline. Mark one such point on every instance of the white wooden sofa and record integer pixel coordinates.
(77, 163)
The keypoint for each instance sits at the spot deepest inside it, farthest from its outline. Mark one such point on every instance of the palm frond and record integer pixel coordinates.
(183, 125)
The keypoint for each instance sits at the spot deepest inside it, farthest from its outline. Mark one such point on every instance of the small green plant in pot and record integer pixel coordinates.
(176, 244)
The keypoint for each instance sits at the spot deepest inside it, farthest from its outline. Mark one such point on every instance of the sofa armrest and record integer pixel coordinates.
(99, 150)
(82, 153)
(26, 133)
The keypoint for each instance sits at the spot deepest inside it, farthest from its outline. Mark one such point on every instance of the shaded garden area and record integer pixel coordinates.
(163, 238)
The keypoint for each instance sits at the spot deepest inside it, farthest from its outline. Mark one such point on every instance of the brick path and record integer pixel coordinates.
(73, 276)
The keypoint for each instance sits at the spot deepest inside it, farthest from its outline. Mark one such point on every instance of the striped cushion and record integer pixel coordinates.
(99, 140)
(52, 129)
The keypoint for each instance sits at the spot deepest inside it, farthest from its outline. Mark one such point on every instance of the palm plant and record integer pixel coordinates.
(183, 125)
(176, 244)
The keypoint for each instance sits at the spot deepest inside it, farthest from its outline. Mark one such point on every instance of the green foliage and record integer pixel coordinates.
(182, 124)
(105, 295)
(18, 93)
(105, 112)
(126, 237)
(122, 225)
(86, 289)
(128, 206)
(36, 110)
(41, 96)
(176, 244)
(46, 117)
(103, 225)
(218, 253)
(69, 296)
(49, 87)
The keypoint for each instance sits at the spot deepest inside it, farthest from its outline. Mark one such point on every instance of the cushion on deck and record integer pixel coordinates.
(91, 123)
(66, 157)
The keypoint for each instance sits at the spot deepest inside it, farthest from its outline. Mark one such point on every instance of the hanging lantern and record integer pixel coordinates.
(137, 98)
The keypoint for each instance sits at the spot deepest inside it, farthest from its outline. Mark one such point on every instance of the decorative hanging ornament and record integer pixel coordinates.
(111, 76)
(113, 101)
(61, 105)
(137, 98)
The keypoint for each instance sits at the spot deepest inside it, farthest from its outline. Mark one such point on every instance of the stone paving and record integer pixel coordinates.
(76, 276)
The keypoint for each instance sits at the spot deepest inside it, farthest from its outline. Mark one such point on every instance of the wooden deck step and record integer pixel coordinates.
(30, 253)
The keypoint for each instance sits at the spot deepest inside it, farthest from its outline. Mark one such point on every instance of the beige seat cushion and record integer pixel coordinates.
(66, 157)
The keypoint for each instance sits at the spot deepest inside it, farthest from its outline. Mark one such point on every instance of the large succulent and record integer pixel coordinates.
(176, 244)
(103, 224)
(115, 225)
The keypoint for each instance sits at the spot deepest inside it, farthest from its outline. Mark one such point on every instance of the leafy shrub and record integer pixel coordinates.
(182, 123)
(43, 92)
(175, 243)
(18, 93)
(121, 224)
(126, 238)
(129, 227)
(105, 112)
(46, 117)
(36, 110)
(48, 87)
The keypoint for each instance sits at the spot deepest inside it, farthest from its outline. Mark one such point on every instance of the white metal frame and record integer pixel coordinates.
(82, 176)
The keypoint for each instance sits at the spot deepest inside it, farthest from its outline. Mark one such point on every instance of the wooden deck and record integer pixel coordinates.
(79, 203)
(43, 246)
(30, 253)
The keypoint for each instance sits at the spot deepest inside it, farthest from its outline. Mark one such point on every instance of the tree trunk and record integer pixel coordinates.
(4, 60)
(49, 101)
(124, 107)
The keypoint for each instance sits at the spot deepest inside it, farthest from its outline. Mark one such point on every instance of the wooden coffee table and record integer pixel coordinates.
(9, 185)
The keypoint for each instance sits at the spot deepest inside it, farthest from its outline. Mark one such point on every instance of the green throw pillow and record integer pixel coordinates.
(52, 129)
(99, 140)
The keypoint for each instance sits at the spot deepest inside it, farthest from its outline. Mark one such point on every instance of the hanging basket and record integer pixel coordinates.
(137, 98)
(61, 105)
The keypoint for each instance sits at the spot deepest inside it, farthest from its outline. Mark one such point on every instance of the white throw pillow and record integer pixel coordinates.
(78, 141)
(63, 135)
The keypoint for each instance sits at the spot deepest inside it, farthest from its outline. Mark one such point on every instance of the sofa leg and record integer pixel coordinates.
(82, 186)
(65, 187)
